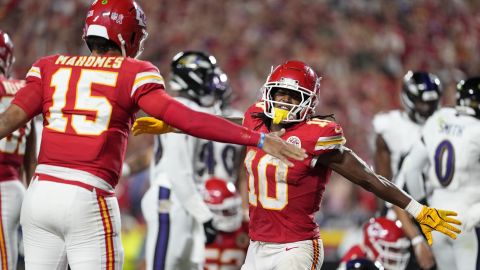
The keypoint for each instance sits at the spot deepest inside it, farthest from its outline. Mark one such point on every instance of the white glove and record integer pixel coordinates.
(472, 217)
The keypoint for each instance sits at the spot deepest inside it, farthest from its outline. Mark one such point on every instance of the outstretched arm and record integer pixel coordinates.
(347, 163)
(206, 126)
(12, 119)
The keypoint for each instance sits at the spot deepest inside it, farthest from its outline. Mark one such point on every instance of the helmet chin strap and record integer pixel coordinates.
(279, 115)
(124, 54)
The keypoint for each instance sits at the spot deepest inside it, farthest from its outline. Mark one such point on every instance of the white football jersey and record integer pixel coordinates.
(173, 156)
(453, 144)
(220, 160)
(399, 133)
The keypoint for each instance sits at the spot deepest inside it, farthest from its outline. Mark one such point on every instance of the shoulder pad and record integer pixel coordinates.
(322, 135)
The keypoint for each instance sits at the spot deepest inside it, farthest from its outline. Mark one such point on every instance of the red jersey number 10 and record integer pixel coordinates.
(278, 178)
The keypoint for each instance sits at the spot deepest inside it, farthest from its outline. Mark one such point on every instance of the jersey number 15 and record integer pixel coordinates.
(84, 101)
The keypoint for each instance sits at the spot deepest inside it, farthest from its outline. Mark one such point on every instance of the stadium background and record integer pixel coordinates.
(361, 48)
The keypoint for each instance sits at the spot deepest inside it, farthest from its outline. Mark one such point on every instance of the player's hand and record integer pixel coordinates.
(424, 255)
(150, 125)
(275, 146)
(432, 219)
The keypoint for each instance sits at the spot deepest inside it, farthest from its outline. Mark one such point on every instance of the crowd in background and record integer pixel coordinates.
(361, 48)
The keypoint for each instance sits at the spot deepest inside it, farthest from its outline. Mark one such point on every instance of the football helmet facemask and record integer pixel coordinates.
(225, 203)
(468, 96)
(194, 72)
(385, 242)
(421, 93)
(122, 22)
(6, 54)
(302, 82)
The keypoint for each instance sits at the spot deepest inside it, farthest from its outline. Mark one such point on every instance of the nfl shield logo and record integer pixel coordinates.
(295, 141)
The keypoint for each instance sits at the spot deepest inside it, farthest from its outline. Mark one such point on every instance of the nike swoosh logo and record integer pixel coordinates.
(288, 248)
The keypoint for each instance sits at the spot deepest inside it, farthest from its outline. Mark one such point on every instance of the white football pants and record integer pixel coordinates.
(175, 240)
(462, 253)
(301, 255)
(70, 224)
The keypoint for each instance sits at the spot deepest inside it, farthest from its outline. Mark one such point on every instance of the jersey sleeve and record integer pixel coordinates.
(380, 123)
(206, 126)
(410, 174)
(147, 79)
(30, 97)
(324, 136)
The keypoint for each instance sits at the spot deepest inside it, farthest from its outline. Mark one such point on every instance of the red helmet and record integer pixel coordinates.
(385, 242)
(121, 21)
(293, 76)
(225, 203)
(6, 53)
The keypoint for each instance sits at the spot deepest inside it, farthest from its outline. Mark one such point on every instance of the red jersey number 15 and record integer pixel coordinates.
(83, 101)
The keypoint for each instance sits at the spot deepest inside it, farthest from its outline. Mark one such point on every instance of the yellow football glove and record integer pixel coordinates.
(150, 125)
(432, 219)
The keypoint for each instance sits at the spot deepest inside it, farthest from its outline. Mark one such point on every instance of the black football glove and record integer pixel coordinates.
(210, 232)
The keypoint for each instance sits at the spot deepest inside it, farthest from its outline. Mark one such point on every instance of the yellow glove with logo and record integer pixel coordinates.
(150, 125)
(432, 219)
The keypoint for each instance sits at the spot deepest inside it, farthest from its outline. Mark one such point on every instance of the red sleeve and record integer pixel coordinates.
(323, 136)
(29, 98)
(206, 126)
(146, 79)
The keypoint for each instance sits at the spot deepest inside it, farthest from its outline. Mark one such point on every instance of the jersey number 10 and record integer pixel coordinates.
(280, 179)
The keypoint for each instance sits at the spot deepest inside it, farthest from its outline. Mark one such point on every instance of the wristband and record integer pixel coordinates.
(417, 240)
(414, 208)
(261, 141)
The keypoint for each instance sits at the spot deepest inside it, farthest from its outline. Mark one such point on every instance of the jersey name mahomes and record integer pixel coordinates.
(90, 61)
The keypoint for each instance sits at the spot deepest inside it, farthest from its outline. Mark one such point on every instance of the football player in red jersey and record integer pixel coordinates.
(228, 250)
(282, 199)
(383, 241)
(69, 213)
(17, 156)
